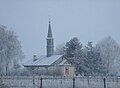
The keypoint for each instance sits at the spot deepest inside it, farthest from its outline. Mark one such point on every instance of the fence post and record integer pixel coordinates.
(1, 79)
(104, 82)
(41, 82)
(33, 81)
(73, 82)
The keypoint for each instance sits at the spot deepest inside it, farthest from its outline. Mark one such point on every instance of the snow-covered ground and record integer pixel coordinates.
(59, 82)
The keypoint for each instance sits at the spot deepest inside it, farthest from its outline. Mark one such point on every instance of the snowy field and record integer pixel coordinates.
(58, 82)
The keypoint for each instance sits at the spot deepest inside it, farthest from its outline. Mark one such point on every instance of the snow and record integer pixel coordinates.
(63, 62)
(43, 60)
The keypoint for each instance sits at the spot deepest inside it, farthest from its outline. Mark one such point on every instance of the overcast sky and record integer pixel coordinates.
(89, 20)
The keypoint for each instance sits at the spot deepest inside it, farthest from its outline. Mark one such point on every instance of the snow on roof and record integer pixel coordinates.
(63, 62)
(43, 60)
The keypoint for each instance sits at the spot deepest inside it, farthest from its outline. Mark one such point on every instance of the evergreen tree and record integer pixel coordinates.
(74, 53)
(95, 65)
(73, 47)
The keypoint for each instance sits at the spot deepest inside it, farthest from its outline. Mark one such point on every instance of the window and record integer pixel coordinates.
(66, 71)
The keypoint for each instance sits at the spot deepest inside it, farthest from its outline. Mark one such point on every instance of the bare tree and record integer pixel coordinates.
(110, 54)
(60, 49)
(10, 49)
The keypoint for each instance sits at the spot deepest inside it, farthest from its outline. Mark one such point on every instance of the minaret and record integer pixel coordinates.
(50, 41)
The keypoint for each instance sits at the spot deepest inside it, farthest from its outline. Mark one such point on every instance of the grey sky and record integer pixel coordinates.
(89, 20)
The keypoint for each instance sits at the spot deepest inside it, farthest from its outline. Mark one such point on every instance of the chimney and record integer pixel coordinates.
(34, 57)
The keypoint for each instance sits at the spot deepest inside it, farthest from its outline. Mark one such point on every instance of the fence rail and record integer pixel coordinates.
(59, 82)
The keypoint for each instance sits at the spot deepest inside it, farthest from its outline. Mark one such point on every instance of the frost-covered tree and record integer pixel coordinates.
(95, 63)
(90, 58)
(60, 49)
(10, 50)
(110, 54)
(72, 47)
(74, 53)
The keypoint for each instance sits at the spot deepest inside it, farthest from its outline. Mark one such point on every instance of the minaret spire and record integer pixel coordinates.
(50, 41)
(49, 30)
